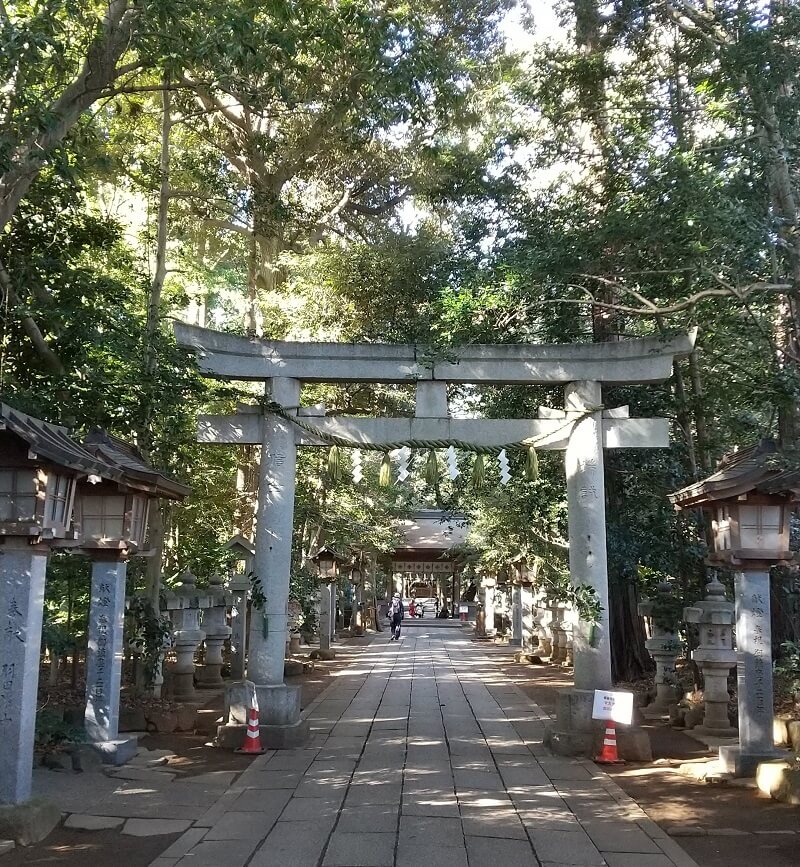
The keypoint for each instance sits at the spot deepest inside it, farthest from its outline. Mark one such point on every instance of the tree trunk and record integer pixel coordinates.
(700, 426)
(684, 418)
(156, 531)
(629, 657)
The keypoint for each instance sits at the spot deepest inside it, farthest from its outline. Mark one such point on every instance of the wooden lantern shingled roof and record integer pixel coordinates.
(100, 454)
(760, 468)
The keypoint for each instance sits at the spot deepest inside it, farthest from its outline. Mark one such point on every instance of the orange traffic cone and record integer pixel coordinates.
(608, 754)
(252, 739)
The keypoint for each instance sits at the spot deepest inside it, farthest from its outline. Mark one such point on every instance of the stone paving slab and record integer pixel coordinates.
(423, 755)
(92, 823)
(360, 849)
(154, 827)
(291, 844)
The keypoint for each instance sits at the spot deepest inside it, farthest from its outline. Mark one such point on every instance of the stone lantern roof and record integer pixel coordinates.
(51, 442)
(760, 468)
(138, 474)
(99, 454)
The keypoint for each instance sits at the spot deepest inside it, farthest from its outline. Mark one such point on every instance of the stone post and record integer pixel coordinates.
(104, 654)
(185, 608)
(22, 578)
(569, 624)
(239, 586)
(488, 606)
(714, 656)
(558, 640)
(216, 629)
(541, 620)
(357, 623)
(663, 646)
(587, 531)
(754, 675)
(528, 613)
(325, 627)
(516, 616)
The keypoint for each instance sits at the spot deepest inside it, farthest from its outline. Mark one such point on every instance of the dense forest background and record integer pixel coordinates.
(355, 170)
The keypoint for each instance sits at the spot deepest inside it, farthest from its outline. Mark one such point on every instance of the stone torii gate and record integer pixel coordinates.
(582, 368)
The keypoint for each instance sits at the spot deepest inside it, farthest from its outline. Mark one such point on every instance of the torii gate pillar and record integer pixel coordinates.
(588, 562)
(279, 703)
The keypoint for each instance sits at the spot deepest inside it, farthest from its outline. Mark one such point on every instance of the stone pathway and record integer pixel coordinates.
(423, 754)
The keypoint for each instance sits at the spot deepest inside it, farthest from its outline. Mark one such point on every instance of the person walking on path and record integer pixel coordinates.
(396, 614)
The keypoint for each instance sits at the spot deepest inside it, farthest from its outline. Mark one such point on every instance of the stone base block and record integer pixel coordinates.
(707, 731)
(528, 658)
(132, 720)
(569, 743)
(278, 704)
(652, 711)
(740, 764)
(292, 667)
(780, 780)
(322, 653)
(116, 752)
(633, 745)
(515, 642)
(273, 737)
(575, 733)
(83, 757)
(30, 822)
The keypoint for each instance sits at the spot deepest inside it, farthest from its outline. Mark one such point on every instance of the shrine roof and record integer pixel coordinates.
(432, 530)
(761, 468)
(100, 454)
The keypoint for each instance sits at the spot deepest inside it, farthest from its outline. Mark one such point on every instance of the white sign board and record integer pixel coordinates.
(463, 609)
(616, 706)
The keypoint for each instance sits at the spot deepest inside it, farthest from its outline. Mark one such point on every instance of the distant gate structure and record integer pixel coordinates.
(582, 429)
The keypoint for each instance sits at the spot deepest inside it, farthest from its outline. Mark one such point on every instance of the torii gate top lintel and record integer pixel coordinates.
(232, 356)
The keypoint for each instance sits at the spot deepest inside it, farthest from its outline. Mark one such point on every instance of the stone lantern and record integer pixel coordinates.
(216, 629)
(185, 605)
(663, 645)
(327, 562)
(357, 580)
(519, 578)
(749, 499)
(489, 585)
(558, 633)
(239, 587)
(56, 492)
(541, 622)
(714, 656)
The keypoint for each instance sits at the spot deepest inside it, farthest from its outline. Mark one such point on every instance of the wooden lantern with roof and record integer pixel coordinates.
(750, 499)
(93, 495)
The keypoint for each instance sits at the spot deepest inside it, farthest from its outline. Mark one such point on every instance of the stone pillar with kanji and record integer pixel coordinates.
(104, 653)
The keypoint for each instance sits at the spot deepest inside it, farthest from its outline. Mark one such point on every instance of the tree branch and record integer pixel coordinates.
(29, 326)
